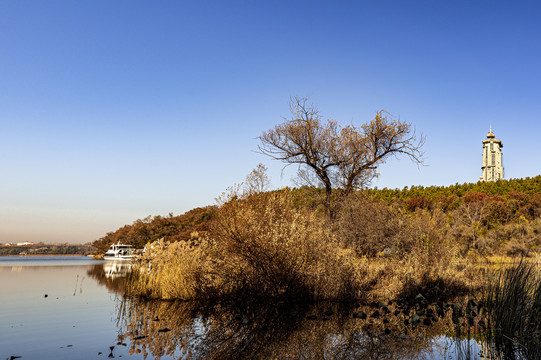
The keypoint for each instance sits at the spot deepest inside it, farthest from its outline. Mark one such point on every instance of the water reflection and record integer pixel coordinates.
(116, 269)
(110, 274)
(169, 329)
(323, 331)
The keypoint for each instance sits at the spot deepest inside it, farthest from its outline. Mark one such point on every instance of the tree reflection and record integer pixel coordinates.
(323, 331)
(172, 329)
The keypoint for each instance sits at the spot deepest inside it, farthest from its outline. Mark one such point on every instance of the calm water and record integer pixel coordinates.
(69, 308)
(50, 308)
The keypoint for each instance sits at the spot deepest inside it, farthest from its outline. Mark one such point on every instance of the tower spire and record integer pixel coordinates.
(490, 134)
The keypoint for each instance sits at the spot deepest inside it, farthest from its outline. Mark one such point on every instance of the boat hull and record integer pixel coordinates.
(118, 258)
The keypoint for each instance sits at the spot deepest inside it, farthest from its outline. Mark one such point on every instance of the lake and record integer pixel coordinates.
(50, 308)
(71, 308)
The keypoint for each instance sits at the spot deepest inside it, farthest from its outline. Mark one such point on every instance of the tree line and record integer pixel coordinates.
(528, 186)
(47, 249)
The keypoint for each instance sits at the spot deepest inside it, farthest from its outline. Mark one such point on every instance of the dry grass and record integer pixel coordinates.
(513, 301)
(170, 270)
(407, 253)
(263, 247)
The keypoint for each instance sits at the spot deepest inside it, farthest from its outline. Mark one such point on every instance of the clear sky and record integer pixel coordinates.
(114, 110)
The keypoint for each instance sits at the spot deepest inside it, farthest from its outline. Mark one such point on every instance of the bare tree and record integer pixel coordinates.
(257, 181)
(344, 158)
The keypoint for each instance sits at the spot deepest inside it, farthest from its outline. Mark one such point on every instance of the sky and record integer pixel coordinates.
(111, 111)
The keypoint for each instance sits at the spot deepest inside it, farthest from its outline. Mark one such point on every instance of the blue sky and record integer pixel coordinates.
(114, 110)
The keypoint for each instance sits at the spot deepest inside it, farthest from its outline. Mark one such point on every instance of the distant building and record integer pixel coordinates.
(492, 158)
(25, 243)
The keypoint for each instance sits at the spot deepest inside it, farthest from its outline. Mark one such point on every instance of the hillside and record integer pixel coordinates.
(484, 218)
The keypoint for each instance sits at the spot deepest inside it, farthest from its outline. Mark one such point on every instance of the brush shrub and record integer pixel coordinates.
(368, 226)
(430, 262)
(263, 246)
(406, 252)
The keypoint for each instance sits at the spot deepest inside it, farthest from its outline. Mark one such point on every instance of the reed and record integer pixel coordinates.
(170, 270)
(513, 302)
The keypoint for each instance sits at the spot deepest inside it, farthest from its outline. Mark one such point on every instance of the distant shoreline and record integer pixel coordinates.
(42, 249)
(47, 255)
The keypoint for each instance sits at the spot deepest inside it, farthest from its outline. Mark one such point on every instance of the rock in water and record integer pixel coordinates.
(360, 315)
(329, 312)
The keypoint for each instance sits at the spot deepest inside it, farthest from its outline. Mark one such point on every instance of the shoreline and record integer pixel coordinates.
(46, 255)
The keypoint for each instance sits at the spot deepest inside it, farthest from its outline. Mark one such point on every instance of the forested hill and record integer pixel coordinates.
(527, 186)
(501, 202)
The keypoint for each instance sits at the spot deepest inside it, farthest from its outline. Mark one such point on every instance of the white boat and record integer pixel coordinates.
(119, 252)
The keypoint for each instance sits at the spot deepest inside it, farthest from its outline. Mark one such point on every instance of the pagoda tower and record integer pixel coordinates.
(492, 158)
